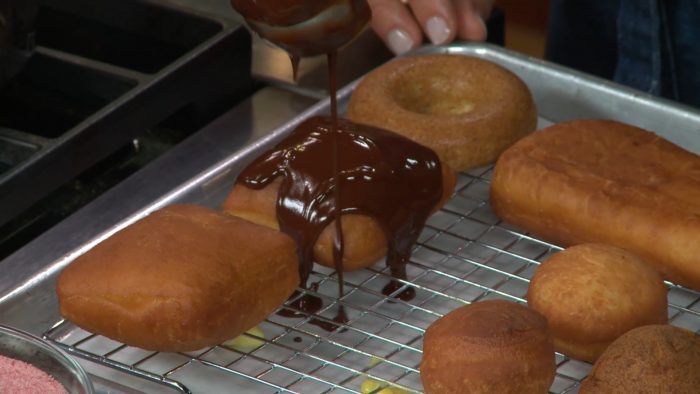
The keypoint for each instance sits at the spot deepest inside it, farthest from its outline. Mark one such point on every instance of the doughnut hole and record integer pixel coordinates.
(438, 94)
(468, 110)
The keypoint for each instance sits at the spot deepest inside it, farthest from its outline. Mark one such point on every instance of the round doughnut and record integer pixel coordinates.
(649, 359)
(491, 346)
(593, 293)
(468, 110)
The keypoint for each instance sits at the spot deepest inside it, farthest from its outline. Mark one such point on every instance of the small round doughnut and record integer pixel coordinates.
(649, 359)
(494, 346)
(593, 293)
(468, 110)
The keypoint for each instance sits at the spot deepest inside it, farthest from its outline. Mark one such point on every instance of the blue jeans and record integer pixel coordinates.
(650, 45)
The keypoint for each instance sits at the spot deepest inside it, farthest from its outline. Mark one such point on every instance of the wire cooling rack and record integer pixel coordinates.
(465, 254)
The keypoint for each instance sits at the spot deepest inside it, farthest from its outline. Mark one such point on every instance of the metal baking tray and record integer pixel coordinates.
(465, 254)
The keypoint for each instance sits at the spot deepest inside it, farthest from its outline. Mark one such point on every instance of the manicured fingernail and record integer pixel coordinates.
(437, 30)
(399, 41)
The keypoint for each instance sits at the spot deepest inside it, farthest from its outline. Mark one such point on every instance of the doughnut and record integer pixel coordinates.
(466, 109)
(608, 182)
(649, 359)
(182, 278)
(491, 346)
(364, 239)
(593, 293)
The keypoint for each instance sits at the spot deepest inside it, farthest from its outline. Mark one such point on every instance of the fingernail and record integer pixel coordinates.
(437, 30)
(399, 41)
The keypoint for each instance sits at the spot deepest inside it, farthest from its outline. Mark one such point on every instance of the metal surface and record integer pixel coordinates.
(102, 74)
(465, 254)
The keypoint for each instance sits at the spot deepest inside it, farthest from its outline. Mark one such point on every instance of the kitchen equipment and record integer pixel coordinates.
(305, 27)
(464, 254)
(102, 74)
(17, 36)
(25, 347)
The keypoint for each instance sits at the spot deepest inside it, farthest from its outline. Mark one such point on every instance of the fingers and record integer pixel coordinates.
(437, 18)
(402, 23)
(395, 25)
(483, 7)
(470, 18)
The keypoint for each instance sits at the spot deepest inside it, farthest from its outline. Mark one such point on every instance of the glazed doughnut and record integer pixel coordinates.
(492, 346)
(364, 239)
(466, 109)
(649, 359)
(593, 293)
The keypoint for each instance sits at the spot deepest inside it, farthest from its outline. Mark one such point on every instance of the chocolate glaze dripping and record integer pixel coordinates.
(333, 166)
(295, 59)
(383, 175)
(406, 294)
(338, 244)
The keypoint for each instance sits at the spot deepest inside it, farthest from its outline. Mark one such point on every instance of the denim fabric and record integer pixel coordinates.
(583, 35)
(639, 45)
(656, 43)
(683, 18)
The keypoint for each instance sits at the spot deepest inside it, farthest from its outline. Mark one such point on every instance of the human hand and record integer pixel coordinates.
(402, 23)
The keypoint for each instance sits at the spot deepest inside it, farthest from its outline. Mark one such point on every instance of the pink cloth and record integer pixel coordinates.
(18, 377)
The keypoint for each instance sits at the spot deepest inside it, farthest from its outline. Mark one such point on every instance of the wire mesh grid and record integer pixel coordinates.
(465, 254)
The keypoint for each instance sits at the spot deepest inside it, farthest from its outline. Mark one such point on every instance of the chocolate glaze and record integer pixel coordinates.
(309, 304)
(406, 294)
(381, 174)
(338, 244)
(331, 166)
